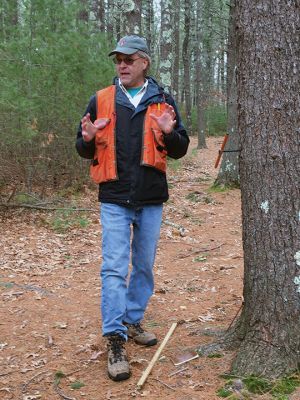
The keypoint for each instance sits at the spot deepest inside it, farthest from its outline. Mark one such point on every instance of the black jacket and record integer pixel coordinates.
(137, 185)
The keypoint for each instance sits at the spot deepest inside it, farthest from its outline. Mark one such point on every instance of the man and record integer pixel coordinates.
(128, 130)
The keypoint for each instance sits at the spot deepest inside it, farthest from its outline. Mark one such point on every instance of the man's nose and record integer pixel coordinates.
(122, 63)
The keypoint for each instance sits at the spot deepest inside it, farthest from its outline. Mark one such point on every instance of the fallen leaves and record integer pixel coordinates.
(61, 325)
(3, 345)
(50, 288)
(96, 355)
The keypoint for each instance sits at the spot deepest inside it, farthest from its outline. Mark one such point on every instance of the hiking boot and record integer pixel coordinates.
(117, 364)
(137, 333)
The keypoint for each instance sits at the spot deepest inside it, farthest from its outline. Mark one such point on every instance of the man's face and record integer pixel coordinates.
(130, 69)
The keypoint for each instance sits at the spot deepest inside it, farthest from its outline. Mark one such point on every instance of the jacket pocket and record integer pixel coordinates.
(159, 150)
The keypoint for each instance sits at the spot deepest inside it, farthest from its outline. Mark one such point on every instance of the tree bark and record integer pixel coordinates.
(223, 68)
(9, 18)
(118, 26)
(199, 81)
(176, 52)
(224, 31)
(13, 12)
(208, 46)
(166, 57)
(83, 14)
(109, 22)
(186, 57)
(99, 12)
(148, 6)
(268, 120)
(132, 11)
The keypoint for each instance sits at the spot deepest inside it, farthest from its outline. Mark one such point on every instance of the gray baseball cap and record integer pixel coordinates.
(130, 45)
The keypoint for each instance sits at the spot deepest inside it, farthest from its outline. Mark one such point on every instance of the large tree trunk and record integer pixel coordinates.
(229, 171)
(268, 119)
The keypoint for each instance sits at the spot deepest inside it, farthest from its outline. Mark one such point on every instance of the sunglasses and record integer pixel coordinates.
(127, 60)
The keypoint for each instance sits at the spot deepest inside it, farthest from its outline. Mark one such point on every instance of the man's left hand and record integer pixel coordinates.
(166, 121)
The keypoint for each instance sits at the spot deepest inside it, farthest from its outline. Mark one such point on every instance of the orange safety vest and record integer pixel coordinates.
(154, 154)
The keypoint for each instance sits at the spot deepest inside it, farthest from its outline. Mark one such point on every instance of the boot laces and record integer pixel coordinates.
(138, 328)
(116, 344)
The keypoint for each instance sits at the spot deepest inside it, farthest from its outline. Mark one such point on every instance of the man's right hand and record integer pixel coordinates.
(90, 129)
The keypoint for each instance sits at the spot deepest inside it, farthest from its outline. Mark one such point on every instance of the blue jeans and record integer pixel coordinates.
(123, 300)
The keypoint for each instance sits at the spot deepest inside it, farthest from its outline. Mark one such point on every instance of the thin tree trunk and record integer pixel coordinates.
(229, 171)
(83, 14)
(199, 81)
(223, 46)
(148, 23)
(99, 11)
(166, 58)
(9, 15)
(118, 28)
(186, 57)
(218, 73)
(110, 19)
(176, 52)
(132, 12)
(222, 69)
(14, 12)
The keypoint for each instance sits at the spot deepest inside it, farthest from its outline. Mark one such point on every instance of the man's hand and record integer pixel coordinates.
(166, 121)
(90, 129)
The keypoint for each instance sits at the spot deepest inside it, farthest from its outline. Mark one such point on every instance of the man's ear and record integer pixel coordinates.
(145, 64)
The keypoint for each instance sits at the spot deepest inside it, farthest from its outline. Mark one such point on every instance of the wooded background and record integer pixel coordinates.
(214, 58)
(54, 56)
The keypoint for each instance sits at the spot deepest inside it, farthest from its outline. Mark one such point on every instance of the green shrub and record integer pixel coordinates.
(50, 66)
(65, 220)
(216, 120)
(215, 117)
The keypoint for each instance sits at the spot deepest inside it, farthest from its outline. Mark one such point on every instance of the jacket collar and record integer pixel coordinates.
(153, 94)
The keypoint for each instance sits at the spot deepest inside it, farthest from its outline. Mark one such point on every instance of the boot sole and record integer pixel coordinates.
(120, 377)
(150, 343)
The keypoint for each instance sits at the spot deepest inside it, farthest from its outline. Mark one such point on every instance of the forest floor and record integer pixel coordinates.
(50, 336)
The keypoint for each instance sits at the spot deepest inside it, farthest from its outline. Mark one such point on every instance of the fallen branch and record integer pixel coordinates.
(179, 227)
(58, 376)
(24, 386)
(178, 372)
(155, 357)
(191, 253)
(37, 207)
(7, 373)
(163, 383)
(7, 390)
(61, 393)
(12, 194)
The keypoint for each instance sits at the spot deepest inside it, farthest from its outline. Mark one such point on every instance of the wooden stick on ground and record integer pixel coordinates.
(155, 357)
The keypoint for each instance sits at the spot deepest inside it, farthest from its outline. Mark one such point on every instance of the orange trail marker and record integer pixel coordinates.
(222, 150)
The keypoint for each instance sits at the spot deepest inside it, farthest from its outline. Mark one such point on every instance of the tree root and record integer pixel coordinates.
(255, 356)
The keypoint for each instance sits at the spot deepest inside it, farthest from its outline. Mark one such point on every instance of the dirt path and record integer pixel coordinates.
(49, 288)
